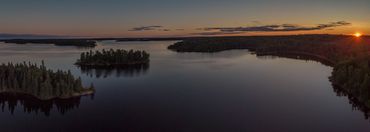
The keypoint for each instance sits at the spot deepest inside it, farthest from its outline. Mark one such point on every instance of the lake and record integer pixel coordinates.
(229, 91)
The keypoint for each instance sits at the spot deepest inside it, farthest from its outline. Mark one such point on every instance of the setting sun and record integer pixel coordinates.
(357, 34)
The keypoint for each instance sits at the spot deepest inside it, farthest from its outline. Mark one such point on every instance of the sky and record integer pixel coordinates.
(173, 18)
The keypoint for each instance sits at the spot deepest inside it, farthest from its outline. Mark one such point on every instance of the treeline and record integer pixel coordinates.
(353, 76)
(58, 42)
(112, 57)
(333, 47)
(253, 43)
(44, 84)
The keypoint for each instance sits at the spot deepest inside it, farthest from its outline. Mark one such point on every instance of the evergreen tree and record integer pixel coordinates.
(113, 58)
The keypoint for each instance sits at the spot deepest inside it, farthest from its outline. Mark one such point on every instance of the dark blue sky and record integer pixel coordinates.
(176, 17)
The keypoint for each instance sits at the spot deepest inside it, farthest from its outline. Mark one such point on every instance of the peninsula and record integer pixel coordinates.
(40, 82)
(349, 55)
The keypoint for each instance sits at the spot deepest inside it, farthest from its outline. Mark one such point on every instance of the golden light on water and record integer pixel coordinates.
(357, 34)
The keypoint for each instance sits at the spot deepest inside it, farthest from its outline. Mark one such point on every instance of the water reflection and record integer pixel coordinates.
(31, 104)
(356, 104)
(298, 56)
(126, 71)
(235, 93)
(353, 100)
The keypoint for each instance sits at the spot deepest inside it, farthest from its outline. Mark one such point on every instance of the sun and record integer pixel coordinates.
(357, 34)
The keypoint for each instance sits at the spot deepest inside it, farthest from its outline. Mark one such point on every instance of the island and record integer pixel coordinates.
(348, 55)
(40, 82)
(112, 58)
(57, 42)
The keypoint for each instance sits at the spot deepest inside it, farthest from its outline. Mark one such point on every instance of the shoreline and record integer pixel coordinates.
(315, 57)
(86, 92)
(111, 65)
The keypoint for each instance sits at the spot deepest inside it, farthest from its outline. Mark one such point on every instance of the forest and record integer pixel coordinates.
(348, 55)
(353, 76)
(40, 82)
(57, 42)
(109, 58)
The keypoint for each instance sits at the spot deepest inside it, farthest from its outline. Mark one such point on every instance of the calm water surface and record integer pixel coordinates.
(227, 91)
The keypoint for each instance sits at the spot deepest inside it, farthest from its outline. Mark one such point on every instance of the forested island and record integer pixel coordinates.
(40, 82)
(349, 55)
(112, 58)
(57, 42)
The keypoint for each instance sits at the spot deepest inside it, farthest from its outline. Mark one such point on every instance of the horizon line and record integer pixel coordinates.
(51, 36)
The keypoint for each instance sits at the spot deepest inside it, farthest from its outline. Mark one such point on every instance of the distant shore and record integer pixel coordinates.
(57, 42)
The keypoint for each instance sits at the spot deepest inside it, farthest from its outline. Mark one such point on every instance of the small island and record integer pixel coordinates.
(57, 42)
(112, 58)
(40, 82)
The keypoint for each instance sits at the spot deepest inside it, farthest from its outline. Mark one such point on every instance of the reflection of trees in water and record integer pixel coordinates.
(118, 71)
(356, 104)
(353, 77)
(298, 56)
(33, 105)
(350, 79)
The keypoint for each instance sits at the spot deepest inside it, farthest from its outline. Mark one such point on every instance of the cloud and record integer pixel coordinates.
(150, 28)
(145, 28)
(165, 30)
(31, 36)
(271, 28)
